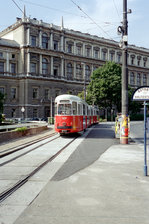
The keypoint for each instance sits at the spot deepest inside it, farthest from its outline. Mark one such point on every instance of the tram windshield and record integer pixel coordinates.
(64, 109)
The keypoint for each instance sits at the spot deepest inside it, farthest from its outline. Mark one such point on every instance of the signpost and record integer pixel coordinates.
(22, 110)
(142, 94)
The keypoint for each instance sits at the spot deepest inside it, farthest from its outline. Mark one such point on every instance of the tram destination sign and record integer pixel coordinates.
(141, 94)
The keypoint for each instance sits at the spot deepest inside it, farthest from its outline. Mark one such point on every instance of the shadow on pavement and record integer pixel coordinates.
(99, 139)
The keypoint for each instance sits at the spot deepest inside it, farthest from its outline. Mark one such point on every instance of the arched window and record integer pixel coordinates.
(132, 78)
(44, 66)
(87, 72)
(69, 71)
(45, 40)
(144, 79)
(138, 79)
(78, 71)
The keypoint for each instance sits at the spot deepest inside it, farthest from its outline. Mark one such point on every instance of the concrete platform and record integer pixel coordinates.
(111, 190)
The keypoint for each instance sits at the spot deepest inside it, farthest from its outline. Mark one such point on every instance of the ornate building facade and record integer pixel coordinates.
(39, 61)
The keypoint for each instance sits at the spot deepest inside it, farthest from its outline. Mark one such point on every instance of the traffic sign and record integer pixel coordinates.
(141, 94)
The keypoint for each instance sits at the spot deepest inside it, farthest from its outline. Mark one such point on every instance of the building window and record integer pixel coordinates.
(13, 113)
(13, 93)
(13, 56)
(2, 90)
(55, 71)
(33, 67)
(87, 72)
(119, 58)
(13, 68)
(132, 78)
(35, 113)
(104, 55)
(138, 62)
(33, 41)
(56, 45)
(144, 79)
(78, 50)
(144, 63)
(45, 41)
(1, 66)
(132, 61)
(138, 79)
(96, 54)
(35, 93)
(44, 66)
(46, 94)
(111, 57)
(69, 48)
(69, 71)
(78, 71)
(88, 51)
(1, 54)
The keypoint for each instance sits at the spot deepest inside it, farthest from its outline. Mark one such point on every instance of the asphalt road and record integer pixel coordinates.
(99, 139)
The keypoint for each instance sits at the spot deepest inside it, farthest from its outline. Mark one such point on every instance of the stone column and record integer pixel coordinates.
(62, 67)
(28, 63)
(40, 64)
(84, 49)
(74, 48)
(7, 62)
(40, 39)
(51, 41)
(74, 70)
(28, 36)
(51, 65)
(92, 51)
(62, 43)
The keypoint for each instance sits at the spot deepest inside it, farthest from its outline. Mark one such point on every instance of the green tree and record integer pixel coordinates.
(104, 89)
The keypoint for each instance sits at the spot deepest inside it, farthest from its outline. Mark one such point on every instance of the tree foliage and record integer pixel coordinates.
(104, 89)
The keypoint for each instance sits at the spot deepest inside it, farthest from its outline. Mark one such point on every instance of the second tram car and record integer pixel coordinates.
(73, 114)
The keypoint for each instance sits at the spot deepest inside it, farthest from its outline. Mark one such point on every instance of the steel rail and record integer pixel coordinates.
(22, 146)
(16, 157)
(5, 194)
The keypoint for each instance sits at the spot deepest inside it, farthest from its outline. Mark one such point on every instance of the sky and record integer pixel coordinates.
(96, 17)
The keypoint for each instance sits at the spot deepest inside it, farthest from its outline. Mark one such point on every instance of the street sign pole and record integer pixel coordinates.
(145, 156)
(142, 94)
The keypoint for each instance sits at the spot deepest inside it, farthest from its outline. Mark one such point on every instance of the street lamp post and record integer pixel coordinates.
(22, 110)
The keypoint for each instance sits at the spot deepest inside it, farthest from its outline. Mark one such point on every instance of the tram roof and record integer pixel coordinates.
(69, 97)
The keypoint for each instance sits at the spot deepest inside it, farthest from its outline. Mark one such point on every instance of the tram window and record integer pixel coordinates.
(91, 112)
(88, 111)
(74, 108)
(64, 109)
(79, 109)
(84, 109)
(68, 109)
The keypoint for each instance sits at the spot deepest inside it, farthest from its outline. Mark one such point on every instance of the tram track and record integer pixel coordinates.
(14, 149)
(30, 150)
(6, 193)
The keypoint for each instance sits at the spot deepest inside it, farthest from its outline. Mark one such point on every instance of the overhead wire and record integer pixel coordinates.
(91, 19)
(51, 8)
(116, 9)
(17, 6)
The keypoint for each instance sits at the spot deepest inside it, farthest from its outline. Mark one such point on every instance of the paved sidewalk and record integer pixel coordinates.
(112, 190)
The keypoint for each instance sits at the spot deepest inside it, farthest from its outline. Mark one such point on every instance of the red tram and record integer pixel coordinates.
(73, 114)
